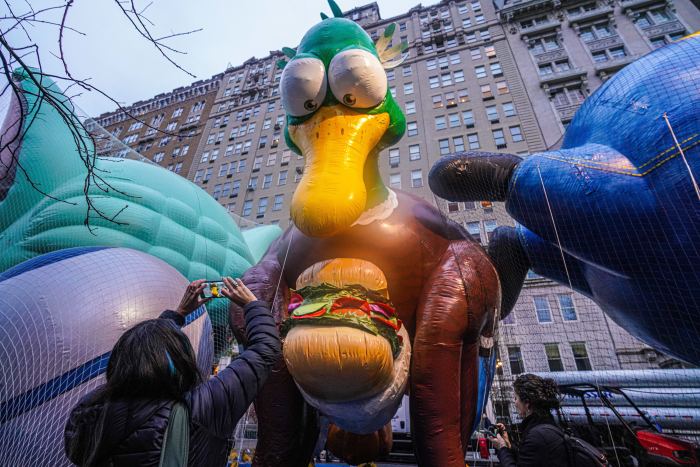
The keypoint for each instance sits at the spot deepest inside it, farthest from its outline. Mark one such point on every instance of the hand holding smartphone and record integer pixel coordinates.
(213, 289)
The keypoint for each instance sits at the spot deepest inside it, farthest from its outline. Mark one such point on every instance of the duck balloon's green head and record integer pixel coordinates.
(340, 114)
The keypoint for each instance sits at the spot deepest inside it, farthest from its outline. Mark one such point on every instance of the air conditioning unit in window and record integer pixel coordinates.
(300, 170)
(205, 181)
(277, 126)
(229, 175)
(501, 146)
(251, 188)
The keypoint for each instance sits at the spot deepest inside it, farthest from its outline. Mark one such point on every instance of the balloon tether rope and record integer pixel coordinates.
(685, 161)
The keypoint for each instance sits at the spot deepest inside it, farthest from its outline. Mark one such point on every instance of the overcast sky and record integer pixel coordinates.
(123, 64)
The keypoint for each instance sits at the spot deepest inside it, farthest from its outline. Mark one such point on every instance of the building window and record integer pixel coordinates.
(485, 35)
(412, 128)
(236, 188)
(480, 71)
(257, 163)
(198, 175)
(279, 200)
(262, 207)
(492, 113)
(462, 8)
(458, 143)
(395, 180)
(567, 96)
(581, 356)
(496, 70)
(516, 134)
(416, 178)
(567, 308)
(486, 92)
(392, 90)
(207, 173)
(217, 191)
(446, 79)
(223, 169)
(499, 138)
(459, 76)
(253, 183)
(596, 31)
(390, 75)
(473, 141)
(407, 70)
(515, 357)
(247, 208)
(271, 159)
(394, 157)
(475, 53)
(434, 82)
(410, 107)
(437, 101)
(543, 44)
(468, 118)
(205, 157)
(414, 152)
(463, 95)
(158, 157)
(502, 87)
(440, 122)
(508, 109)
(267, 181)
(542, 309)
(178, 167)
(553, 357)
(282, 178)
(489, 226)
(474, 230)
(226, 190)
(454, 120)
(444, 145)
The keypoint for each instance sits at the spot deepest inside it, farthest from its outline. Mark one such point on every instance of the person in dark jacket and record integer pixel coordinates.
(152, 366)
(535, 398)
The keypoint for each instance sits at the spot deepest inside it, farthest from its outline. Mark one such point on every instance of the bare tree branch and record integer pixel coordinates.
(19, 56)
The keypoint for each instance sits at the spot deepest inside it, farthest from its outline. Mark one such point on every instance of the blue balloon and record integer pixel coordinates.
(615, 212)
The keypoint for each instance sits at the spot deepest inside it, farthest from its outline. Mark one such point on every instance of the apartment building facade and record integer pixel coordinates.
(566, 49)
(166, 129)
(478, 76)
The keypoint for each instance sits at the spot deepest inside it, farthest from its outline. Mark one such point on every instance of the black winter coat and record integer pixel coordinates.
(130, 432)
(539, 446)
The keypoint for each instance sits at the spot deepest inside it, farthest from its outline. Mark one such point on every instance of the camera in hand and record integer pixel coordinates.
(213, 290)
(492, 431)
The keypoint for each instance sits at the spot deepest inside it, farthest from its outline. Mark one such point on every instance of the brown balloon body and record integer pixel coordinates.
(446, 293)
(357, 449)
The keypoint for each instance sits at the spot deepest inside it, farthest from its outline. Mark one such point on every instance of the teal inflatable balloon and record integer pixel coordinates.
(153, 209)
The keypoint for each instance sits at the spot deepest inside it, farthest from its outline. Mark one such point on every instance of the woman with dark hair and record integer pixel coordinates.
(541, 441)
(152, 373)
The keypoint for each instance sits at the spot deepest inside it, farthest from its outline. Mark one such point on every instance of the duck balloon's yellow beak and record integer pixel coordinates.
(335, 143)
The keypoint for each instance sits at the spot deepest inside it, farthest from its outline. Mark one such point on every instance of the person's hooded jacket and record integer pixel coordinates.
(103, 432)
(539, 446)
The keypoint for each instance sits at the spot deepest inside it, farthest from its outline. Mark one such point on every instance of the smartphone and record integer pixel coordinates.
(213, 289)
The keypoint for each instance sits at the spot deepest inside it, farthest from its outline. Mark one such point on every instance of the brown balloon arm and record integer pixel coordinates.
(457, 300)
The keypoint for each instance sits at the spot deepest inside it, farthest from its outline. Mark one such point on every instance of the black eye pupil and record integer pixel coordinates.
(349, 99)
(310, 104)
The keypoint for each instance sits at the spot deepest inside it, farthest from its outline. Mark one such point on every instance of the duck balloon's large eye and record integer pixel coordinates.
(357, 79)
(303, 86)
